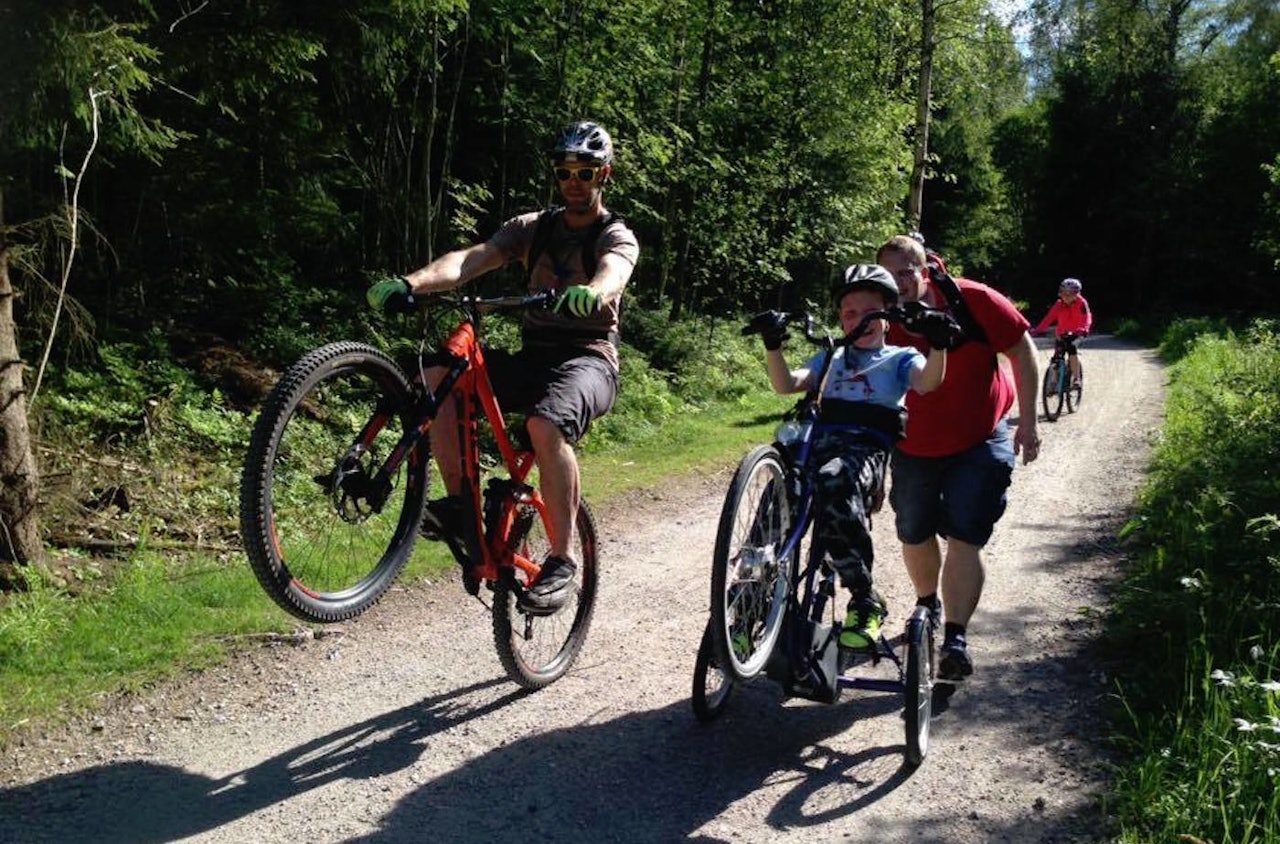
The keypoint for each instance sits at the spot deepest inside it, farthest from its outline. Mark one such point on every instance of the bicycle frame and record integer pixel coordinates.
(466, 380)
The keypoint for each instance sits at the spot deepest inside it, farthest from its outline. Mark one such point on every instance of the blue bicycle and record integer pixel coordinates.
(769, 615)
(1058, 387)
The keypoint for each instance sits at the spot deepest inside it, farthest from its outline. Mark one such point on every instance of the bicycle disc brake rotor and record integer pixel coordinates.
(352, 486)
(755, 568)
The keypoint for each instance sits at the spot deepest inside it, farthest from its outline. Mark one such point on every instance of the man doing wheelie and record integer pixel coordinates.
(566, 373)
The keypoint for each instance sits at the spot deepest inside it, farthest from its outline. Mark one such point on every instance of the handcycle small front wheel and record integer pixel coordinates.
(324, 535)
(918, 685)
(712, 687)
(750, 576)
(537, 649)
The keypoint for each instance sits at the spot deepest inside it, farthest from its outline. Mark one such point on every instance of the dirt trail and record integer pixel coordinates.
(404, 728)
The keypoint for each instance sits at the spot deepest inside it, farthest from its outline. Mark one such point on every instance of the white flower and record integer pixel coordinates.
(1191, 584)
(1270, 686)
(1256, 653)
(1223, 678)
(1245, 726)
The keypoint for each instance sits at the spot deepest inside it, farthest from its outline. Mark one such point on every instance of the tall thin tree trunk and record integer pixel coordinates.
(915, 200)
(19, 481)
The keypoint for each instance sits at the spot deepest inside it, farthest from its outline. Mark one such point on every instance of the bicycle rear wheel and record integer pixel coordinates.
(324, 542)
(536, 650)
(750, 578)
(712, 687)
(918, 681)
(1051, 392)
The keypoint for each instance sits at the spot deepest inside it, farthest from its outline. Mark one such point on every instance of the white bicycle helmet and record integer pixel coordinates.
(866, 277)
(583, 141)
(1071, 285)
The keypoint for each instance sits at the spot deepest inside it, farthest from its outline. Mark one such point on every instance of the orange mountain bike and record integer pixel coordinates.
(335, 484)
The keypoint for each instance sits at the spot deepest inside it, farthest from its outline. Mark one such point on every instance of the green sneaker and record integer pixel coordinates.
(861, 628)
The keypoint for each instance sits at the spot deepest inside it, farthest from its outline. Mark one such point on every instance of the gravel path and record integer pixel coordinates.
(401, 726)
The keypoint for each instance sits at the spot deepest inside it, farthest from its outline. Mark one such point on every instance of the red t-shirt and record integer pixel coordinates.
(976, 392)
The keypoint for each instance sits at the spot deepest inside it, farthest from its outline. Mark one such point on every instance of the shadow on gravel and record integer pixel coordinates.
(649, 776)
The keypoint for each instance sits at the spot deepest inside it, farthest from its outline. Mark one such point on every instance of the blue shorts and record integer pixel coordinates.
(960, 496)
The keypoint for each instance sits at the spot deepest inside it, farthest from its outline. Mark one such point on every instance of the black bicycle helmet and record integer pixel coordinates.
(583, 141)
(866, 277)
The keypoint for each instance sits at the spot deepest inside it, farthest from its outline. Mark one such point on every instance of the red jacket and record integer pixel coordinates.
(1075, 318)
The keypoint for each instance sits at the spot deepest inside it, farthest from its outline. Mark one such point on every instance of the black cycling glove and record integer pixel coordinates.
(771, 326)
(939, 328)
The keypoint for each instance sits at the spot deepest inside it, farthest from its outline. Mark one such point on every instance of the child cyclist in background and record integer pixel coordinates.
(861, 415)
(1073, 317)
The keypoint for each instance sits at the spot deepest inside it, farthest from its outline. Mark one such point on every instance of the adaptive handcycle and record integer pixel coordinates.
(770, 614)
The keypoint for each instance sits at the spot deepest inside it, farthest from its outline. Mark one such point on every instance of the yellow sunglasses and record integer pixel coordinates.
(583, 174)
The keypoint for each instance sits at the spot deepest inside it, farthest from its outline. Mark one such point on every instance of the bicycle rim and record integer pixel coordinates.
(536, 650)
(1076, 393)
(750, 578)
(317, 544)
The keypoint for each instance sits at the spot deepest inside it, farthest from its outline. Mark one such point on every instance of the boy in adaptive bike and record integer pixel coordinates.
(1074, 319)
(566, 372)
(861, 414)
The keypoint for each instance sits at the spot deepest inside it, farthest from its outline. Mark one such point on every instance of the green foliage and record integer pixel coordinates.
(1183, 334)
(1202, 603)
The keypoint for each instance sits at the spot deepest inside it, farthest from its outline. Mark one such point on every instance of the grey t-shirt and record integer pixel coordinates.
(560, 266)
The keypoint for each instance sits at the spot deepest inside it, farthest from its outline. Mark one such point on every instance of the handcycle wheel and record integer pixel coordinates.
(712, 687)
(750, 578)
(319, 540)
(918, 682)
(536, 650)
(1051, 392)
(1076, 391)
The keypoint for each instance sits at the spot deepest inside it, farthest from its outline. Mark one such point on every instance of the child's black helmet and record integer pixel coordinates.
(866, 277)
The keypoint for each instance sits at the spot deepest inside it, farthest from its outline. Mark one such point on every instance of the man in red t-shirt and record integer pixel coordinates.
(952, 469)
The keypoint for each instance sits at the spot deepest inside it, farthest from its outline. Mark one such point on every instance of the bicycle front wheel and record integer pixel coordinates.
(1076, 392)
(323, 538)
(917, 680)
(750, 577)
(1051, 392)
(535, 649)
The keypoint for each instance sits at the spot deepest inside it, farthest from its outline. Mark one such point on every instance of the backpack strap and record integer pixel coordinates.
(545, 228)
(958, 306)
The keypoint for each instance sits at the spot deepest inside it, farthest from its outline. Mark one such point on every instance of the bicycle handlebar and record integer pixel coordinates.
(541, 299)
(782, 319)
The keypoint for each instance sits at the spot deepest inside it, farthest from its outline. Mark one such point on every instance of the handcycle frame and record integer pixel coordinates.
(1057, 387)
(798, 650)
(494, 543)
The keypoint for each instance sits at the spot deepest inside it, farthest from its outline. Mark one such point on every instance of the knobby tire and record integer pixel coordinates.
(315, 549)
(536, 650)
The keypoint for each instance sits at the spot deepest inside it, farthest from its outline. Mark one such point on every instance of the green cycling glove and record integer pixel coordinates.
(389, 294)
(581, 300)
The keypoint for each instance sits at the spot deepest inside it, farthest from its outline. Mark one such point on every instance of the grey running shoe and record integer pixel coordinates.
(554, 586)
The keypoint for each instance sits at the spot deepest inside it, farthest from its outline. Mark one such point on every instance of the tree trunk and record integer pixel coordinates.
(19, 481)
(915, 201)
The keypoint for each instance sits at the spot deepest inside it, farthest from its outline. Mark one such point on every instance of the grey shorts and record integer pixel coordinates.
(566, 387)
